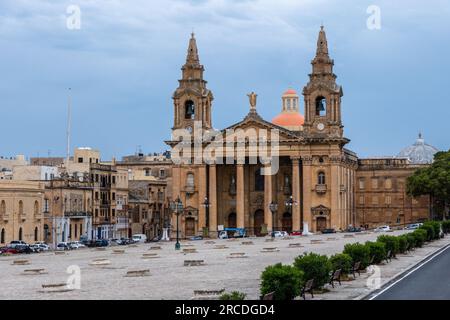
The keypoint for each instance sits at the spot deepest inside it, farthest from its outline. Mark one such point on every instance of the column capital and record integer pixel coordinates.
(295, 158)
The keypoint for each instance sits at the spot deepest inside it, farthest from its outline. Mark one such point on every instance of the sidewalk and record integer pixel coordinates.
(363, 285)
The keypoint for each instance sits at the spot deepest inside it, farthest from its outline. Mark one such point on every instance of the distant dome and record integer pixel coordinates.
(419, 152)
(289, 92)
(291, 119)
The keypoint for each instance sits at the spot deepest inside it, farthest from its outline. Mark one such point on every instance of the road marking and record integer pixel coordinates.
(420, 265)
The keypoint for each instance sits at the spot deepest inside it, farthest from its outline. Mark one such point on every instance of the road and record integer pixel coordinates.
(431, 281)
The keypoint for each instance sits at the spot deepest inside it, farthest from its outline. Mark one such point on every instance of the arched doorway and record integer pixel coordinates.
(286, 222)
(258, 222)
(46, 233)
(20, 234)
(321, 223)
(232, 220)
(36, 234)
(189, 228)
(2, 237)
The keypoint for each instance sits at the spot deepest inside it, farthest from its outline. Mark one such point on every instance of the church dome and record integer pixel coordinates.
(290, 92)
(419, 152)
(291, 119)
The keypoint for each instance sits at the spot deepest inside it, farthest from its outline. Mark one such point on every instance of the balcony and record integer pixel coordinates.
(5, 217)
(77, 214)
(321, 188)
(189, 189)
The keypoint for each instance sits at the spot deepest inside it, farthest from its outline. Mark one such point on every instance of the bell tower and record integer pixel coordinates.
(322, 95)
(192, 100)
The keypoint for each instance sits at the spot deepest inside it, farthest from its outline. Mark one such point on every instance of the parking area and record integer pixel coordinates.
(158, 270)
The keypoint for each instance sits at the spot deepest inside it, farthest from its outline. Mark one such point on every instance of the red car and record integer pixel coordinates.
(6, 250)
(296, 233)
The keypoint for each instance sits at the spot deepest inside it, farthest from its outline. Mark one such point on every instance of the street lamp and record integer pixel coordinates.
(273, 206)
(177, 207)
(206, 204)
(289, 203)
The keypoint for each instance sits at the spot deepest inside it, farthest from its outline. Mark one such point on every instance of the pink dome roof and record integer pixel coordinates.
(289, 119)
(290, 91)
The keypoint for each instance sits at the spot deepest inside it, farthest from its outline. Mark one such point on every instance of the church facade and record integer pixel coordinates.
(317, 182)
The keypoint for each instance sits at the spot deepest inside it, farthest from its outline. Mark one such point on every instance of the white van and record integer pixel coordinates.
(139, 238)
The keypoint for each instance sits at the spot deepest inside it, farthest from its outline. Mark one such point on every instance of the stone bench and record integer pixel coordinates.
(349, 236)
(155, 248)
(270, 240)
(247, 243)
(316, 241)
(287, 238)
(100, 249)
(237, 255)
(138, 273)
(118, 251)
(295, 245)
(21, 262)
(210, 242)
(191, 250)
(31, 272)
(193, 263)
(55, 288)
(100, 262)
(331, 239)
(220, 246)
(150, 255)
(60, 253)
(207, 294)
(188, 245)
(270, 250)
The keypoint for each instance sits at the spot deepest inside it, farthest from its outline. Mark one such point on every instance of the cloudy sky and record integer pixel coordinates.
(124, 62)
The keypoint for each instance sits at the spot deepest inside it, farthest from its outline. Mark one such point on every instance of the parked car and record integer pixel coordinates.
(353, 229)
(7, 250)
(36, 248)
(196, 238)
(382, 229)
(413, 226)
(139, 238)
(15, 243)
(76, 245)
(23, 248)
(62, 246)
(232, 233)
(328, 230)
(43, 246)
(101, 243)
(296, 233)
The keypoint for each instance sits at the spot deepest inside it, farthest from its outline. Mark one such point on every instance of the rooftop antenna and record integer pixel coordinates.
(69, 102)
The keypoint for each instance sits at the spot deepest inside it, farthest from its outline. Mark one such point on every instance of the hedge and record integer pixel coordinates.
(286, 281)
(314, 266)
(391, 242)
(377, 250)
(341, 261)
(358, 252)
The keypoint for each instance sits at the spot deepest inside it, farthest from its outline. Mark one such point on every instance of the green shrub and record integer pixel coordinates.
(436, 228)
(420, 237)
(314, 266)
(234, 295)
(341, 261)
(429, 229)
(403, 243)
(377, 250)
(391, 243)
(446, 226)
(286, 281)
(411, 240)
(358, 252)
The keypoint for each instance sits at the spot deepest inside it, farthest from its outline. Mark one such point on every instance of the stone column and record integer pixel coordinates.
(334, 187)
(296, 194)
(213, 201)
(202, 183)
(307, 190)
(267, 200)
(240, 197)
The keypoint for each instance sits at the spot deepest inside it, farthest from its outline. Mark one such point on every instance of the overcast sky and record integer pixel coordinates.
(124, 62)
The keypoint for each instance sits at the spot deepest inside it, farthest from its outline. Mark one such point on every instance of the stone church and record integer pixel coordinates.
(319, 183)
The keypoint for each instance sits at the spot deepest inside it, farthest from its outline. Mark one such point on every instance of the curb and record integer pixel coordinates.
(367, 296)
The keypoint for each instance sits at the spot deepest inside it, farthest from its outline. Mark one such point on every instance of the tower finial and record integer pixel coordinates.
(192, 55)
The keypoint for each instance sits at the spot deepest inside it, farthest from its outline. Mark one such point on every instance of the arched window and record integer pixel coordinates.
(20, 207)
(321, 178)
(189, 109)
(259, 181)
(190, 180)
(3, 208)
(321, 106)
(2, 236)
(36, 234)
(20, 234)
(36, 208)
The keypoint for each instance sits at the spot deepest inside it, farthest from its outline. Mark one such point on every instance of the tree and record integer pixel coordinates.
(433, 181)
